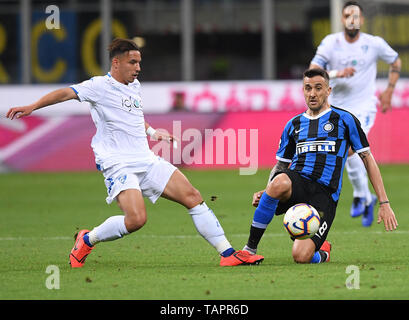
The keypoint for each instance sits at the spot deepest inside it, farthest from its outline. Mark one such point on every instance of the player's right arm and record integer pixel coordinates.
(323, 60)
(343, 73)
(56, 96)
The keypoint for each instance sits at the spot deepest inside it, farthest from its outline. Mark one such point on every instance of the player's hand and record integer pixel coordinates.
(387, 215)
(385, 99)
(256, 198)
(18, 112)
(346, 73)
(159, 136)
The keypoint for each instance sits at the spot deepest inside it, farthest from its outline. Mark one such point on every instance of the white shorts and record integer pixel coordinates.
(366, 114)
(367, 120)
(151, 182)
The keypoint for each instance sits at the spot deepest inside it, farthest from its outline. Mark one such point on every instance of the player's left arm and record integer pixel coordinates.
(386, 96)
(385, 212)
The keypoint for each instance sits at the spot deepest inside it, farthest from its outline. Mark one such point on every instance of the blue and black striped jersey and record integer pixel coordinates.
(317, 147)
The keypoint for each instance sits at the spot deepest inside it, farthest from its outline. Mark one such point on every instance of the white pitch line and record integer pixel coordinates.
(34, 238)
(170, 236)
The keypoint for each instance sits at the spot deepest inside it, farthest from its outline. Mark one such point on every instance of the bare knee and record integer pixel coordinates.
(280, 187)
(135, 220)
(131, 203)
(302, 256)
(192, 197)
(303, 251)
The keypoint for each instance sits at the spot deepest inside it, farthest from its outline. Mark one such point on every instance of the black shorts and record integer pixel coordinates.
(315, 194)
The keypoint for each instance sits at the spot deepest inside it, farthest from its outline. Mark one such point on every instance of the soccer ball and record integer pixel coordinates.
(302, 221)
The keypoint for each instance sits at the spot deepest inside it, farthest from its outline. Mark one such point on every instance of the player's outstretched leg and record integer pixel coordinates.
(80, 251)
(180, 190)
(131, 203)
(278, 189)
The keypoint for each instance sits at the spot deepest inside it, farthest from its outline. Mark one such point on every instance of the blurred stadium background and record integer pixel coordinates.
(207, 64)
(222, 75)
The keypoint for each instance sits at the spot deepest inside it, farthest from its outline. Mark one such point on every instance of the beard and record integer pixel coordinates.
(351, 32)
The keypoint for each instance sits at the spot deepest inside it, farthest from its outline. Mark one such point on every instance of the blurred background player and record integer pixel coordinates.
(311, 158)
(350, 57)
(131, 170)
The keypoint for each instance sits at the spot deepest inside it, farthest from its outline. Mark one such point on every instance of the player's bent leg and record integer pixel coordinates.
(303, 250)
(279, 189)
(180, 190)
(325, 252)
(80, 251)
(132, 204)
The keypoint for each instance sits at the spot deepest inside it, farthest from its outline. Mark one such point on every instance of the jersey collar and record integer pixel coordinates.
(119, 84)
(318, 115)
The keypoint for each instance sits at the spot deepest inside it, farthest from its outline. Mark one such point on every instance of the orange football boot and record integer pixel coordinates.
(241, 257)
(80, 251)
(326, 246)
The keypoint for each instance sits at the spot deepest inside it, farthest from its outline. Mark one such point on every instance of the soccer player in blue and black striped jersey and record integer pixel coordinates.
(350, 58)
(311, 157)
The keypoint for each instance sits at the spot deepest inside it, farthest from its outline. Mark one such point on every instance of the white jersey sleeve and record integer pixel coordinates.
(323, 55)
(88, 90)
(385, 52)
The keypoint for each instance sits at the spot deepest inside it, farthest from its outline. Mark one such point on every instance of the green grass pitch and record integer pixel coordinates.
(166, 259)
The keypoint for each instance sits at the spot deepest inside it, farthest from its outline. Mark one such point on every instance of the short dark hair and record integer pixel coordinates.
(119, 46)
(313, 72)
(352, 3)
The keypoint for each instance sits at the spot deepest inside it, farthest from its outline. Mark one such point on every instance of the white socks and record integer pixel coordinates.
(357, 175)
(111, 229)
(209, 227)
(204, 220)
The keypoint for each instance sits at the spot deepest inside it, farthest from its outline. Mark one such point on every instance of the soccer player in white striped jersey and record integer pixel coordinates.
(131, 170)
(350, 58)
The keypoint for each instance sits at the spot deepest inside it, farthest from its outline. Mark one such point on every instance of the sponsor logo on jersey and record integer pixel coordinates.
(130, 103)
(315, 146)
